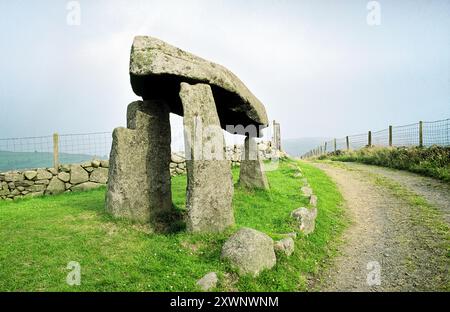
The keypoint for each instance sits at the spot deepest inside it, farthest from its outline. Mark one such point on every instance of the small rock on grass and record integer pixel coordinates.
(208, 282)
(286, 245)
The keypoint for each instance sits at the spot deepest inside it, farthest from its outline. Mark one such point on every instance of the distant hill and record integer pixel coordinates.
(27, 160)
(298, 147)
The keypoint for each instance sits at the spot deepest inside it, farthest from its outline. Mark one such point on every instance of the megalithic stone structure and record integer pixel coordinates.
(139, 185)
(210, 183)
(184, 84)
(252, 174)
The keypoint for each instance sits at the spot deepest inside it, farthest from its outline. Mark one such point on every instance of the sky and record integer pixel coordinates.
(319, 67)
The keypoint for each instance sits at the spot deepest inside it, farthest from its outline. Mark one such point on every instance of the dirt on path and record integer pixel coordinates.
(394, 242)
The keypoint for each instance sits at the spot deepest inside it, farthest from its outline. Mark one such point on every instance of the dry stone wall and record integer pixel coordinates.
(93, 174)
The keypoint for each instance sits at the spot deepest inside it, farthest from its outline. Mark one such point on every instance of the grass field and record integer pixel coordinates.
(40, 236)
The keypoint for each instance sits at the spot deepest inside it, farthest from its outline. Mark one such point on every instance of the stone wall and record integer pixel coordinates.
(92, 174)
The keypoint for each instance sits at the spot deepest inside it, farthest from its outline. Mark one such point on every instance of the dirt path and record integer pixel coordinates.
(389, 234)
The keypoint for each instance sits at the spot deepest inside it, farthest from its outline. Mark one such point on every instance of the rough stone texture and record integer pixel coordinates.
(56, 186)
(252, 173)
(30, 175)
(43, 174)
(104, 163)
(313, 200)
(306, 219)
(78, 175)
(95, 163)
(99, 175)
(157, 69)
(53, 171)
(307, 191)
(13, 176)
(208, 282)
(86, 186)
(210, 184)
(139, 185)
(250, 251)
(64, 176)
(286, 245)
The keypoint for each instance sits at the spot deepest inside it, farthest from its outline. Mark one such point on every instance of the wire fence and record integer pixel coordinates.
(423, 134)
(39, 152)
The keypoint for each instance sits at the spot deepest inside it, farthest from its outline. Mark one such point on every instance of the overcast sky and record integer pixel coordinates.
(318, 66)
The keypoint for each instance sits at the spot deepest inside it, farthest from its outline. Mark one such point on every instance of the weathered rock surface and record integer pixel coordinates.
(307, 191)
(210, 184)
(43, 174)
(99, 175)
(250, 251)
(30, 175)
(86, 186)
(208, 282)
(252, 173)
(64, 176)
(286, 245)
(139, 185)
(56, 186)
(157, 69)
(306, 219)
(313, 200)
(78, 174)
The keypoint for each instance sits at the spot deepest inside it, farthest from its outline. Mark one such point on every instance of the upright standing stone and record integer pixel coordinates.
(252, 172)
(139, 178)
(210, 184)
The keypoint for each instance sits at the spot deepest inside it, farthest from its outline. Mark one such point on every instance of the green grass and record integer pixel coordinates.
(40, 236)
(431, 161)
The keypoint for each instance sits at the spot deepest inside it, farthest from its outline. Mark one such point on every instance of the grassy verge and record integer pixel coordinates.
(41, 236)
(430, 161)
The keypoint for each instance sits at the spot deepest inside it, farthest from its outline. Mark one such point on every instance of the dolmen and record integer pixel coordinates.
(211, 99)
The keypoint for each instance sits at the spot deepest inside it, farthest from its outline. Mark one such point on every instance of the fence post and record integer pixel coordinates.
(325, 148)
(335, 145)
(390, 136)
(55, 150)
(420, 134)
(369, 139)
(347, 142)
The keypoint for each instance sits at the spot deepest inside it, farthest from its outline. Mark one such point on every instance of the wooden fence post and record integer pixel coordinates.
(420, 134)
(55, 151)
(369, 139)
(347, 143)
(390, 136)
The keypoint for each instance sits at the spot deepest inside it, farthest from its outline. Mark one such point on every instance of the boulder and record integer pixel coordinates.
(86, 186)
(104, 163)
(286, 246)
(78, 175)
(208, 282)
(95, 163)
(13, 176)
(307, 191)
(157, 69)
(99, 175)
(42, 182)
(30, 175)
(43, 174)
(209, 180)
(64, 168)
(249, 251)
(306, 219)
(64, 176)
(56, 186)
(53, 171)
(38, 188)
(313, 200)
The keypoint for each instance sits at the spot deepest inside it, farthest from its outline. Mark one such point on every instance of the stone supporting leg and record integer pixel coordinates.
(210, 183)
(139, 186)
(252, 173)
